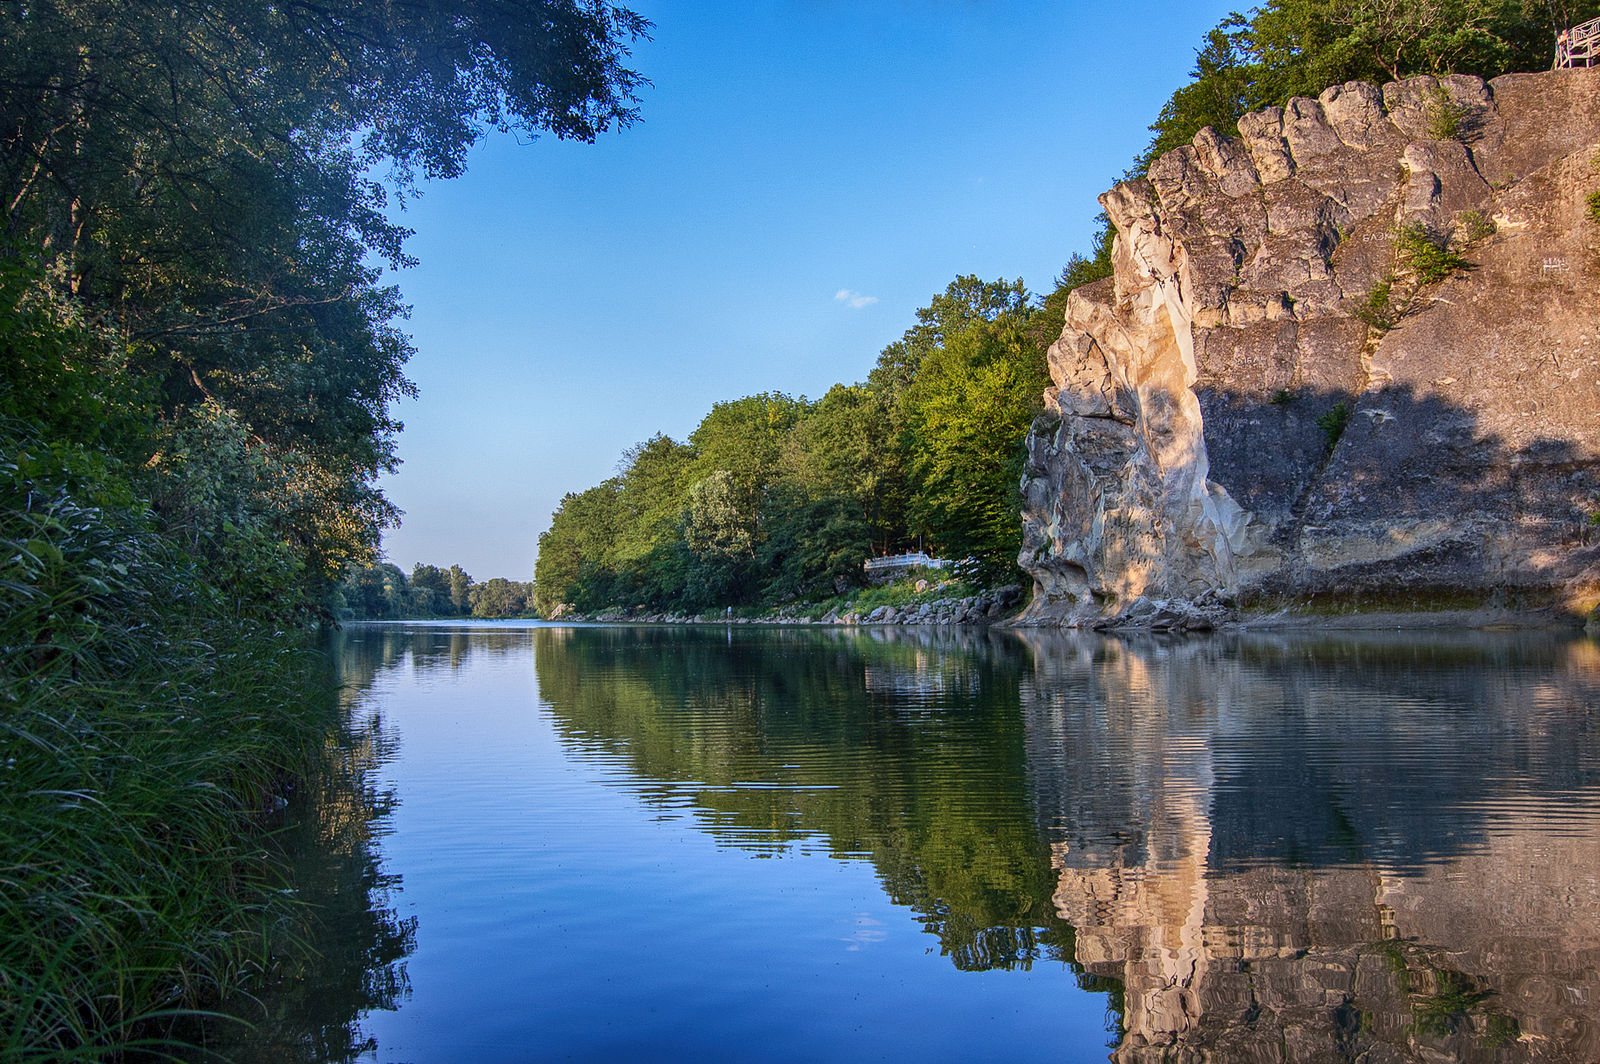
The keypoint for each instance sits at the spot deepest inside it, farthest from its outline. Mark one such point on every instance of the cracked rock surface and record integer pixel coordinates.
(1223, 424)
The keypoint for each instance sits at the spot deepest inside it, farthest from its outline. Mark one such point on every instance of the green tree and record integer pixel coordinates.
(654, 481)
(430, 587)
(1290, 48)
(745, 438)
(578, 543)
(969, 412)
(499, 597)
(965, 301)
(814, 547)
(201, 177)
(715, 522)
(460, 590)
(1221, 90)
(845, 448)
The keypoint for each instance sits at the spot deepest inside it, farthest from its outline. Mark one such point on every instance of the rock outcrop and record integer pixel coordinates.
(1270, 400)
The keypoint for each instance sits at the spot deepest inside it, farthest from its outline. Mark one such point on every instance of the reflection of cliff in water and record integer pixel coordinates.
(902, 748)
(1377, 849)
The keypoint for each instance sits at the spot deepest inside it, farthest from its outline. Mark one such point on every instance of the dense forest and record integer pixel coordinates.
(773, 498)
(198, 360)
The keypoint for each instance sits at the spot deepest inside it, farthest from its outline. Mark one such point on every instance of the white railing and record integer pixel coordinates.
(904, 561)
(1579, 46)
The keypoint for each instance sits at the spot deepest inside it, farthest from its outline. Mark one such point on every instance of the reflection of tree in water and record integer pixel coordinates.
(343, 955)
(902, 749)
(364, 650)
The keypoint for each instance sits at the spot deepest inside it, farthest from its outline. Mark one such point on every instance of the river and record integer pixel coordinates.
(746, 843)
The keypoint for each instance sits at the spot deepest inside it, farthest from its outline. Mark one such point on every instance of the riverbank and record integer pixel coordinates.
(149, 743)
(888, 605)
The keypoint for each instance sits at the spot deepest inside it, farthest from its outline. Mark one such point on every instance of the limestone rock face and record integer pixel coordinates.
(1222, 425)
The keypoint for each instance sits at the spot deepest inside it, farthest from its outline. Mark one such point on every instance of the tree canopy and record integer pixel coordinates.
(205, 187)
(1288, 48)
(774, 498)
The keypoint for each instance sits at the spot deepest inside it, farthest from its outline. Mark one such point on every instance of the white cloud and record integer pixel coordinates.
(855, 300)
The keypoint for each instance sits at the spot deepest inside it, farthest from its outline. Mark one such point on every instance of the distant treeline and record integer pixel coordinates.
(383, 592)
(773, 498)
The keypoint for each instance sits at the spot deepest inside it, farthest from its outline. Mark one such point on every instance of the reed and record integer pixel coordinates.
(145, 736)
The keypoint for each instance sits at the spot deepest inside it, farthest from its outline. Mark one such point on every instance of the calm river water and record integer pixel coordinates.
(737, 844)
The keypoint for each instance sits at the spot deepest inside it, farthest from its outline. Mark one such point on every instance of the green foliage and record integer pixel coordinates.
(813, 547)
(1333, 423)
(715, 523)
(1222, 88)
(148, 724)
(899, 594)
(1474, 227)
(460, 589)
(499, 597)
(430, 590)
(380, 591)
(1446, 119)
(1421, 257)
(774, 498)
(965, 302)
(969, 413)
(848, 446)
(198, 362)
(376, 592)
(1424, 254)
(1594, 206)
(198, 181)
(1288, 48)
(1377, 310)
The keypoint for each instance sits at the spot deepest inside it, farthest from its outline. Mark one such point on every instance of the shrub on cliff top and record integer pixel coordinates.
(1288, 48)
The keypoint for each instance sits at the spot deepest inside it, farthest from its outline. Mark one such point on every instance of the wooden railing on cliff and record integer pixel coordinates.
(1579, 46)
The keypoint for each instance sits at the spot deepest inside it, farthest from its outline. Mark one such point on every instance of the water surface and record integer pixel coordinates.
(602, 843)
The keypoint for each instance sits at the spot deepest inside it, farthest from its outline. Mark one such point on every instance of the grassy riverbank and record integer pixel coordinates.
(147, 734)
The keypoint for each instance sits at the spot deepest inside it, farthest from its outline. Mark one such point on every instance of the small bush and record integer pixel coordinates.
(1594, 206)
(1333, 423)
(1474, 226)
(1425, 254)
(1283, 397)
(899, 594)
(1378, 309)
(1447, 120)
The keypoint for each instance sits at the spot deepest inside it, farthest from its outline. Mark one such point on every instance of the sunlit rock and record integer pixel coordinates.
(1226, 424)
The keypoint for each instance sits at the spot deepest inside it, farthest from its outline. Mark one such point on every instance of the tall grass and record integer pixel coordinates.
(145, 736)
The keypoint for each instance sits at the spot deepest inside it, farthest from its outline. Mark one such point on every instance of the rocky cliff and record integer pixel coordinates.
(1353, 353)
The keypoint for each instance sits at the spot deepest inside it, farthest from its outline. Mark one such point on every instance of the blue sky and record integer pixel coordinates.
(805, 175)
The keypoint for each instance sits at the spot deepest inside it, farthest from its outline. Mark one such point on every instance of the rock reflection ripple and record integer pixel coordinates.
(1379, 848)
